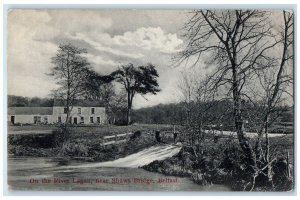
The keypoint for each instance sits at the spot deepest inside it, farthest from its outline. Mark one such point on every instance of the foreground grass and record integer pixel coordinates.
(221, 161)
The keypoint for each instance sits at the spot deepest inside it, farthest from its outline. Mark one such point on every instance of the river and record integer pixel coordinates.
(56, 174)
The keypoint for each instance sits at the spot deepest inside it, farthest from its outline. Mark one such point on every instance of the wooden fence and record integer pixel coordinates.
(124, 137)
(115, 139)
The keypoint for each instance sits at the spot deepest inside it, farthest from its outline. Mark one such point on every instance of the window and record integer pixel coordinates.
(91, 119)
(59, 119)
(79, 110)
(65, 110)
(37, 119)
(93, 110)
(98, 120)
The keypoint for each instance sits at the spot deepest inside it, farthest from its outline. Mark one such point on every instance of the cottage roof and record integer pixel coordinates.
(79, 102)
(30, 111)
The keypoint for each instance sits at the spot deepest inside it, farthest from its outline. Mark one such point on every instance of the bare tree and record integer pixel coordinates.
(198, 101)
(239, 43)
(72, 72)
(275, 81)
(236, 41)
(186, 85)
(275, 86)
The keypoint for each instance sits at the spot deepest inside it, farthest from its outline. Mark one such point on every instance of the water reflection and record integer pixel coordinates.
(46, 174)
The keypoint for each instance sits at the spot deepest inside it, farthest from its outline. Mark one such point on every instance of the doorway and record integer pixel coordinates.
(75, 120)
(12, 119)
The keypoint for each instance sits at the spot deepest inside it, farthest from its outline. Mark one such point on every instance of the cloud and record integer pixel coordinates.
(168, 83)
(100, 64)
(99, 60)
(30, 86)
(34, 35)
(28, 60)
(32, 41)
(62, 23)
(150, 38)
(100, 47)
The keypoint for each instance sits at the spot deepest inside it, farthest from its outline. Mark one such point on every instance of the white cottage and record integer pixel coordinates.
(29, 115)
(83, 112)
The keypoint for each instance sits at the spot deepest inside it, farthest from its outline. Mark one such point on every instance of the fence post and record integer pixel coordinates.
(174, 134)
(174, 128)
(102, 141)
(127, 138)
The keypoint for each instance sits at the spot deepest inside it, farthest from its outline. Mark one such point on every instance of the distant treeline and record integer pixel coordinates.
(216, 113)
(179, 113)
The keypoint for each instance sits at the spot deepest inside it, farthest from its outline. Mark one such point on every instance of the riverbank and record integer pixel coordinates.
(85, 146)
(222, 162)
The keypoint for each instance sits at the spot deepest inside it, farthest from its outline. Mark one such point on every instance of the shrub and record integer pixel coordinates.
(136, 135)
(74, 149)
(34, 140)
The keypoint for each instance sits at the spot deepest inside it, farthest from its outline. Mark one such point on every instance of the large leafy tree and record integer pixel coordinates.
(136, 80)
(100, 88)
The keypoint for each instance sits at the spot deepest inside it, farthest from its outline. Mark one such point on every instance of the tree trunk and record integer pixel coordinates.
(68, 89)
(269, 168)
(239, 126)
(67, 118)
(68, 110)
(130, 98)
(128, 108)
(128, 116)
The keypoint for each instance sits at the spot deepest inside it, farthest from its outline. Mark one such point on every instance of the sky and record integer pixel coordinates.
(111, 37)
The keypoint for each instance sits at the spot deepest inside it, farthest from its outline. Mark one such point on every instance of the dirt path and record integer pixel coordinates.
(248, 134)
